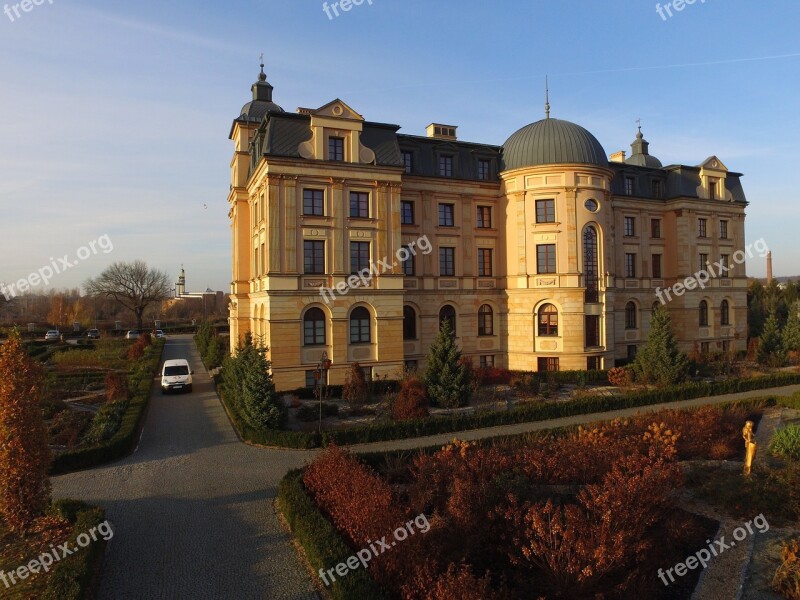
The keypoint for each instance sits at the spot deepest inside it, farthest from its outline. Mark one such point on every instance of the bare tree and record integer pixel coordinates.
(133, 285)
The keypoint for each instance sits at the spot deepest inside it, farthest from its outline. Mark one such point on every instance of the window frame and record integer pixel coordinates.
(485, 321)
(317, 210)
(314, 247)
(546, 328)
(545, 253)
(334, 149)
(314, 331)
(630, 265)
(404, 213)
(446, 165)
(485, 262)
(359, 247)
(444, 207)
(450, 262)
(363, 325)
(545, 210)
(481, 221)
(362, 205)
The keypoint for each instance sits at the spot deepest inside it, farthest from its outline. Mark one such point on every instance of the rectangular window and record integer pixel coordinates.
(546, 258)
(313, 257)
(447, 215)
(655, 229)
(726, 346)
(483, 169)
(726, 268)
(484, 220)
(630, 265)
(408, 263)
(487, 361)
(630, 226)
(255, 262)
(703, 262)
(359, 205)
(713, 192)
(406, 212)
(484, 262)
(592, 326)
(629, 186)
(445, 165)
(411, 366)
(632, 352)
(408, 162)
(657, 266)
(447, 262)
(314, 202)
(705, 347)
(594, 363)
(359, 256)
(336, 148)
(702, 227)
(656, 188)
(723, 230)
(545, 211)
(547, 364)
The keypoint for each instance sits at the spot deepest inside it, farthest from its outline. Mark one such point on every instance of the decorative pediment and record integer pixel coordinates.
(712, 163)
(336, 109)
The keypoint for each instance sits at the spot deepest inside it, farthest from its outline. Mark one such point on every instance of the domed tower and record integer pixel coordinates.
(640, 154)
(556, 183)
(180, 286)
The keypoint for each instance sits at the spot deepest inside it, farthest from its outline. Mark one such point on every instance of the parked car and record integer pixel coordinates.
(160, 334)
(176, 375)
(133, 334)
(52, 336)
(93, 334)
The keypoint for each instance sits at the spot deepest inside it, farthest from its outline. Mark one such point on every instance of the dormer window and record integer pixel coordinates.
(630, 183)
(408, 161)
(445, 165)
(713, 184)
(483, 169)
(336, 148)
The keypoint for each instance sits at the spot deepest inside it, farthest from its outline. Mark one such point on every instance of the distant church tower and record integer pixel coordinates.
(180, 287)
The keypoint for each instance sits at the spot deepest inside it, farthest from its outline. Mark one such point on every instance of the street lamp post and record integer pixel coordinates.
(323, 366)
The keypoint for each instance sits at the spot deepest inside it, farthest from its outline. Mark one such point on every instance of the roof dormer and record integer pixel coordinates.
(336, 135)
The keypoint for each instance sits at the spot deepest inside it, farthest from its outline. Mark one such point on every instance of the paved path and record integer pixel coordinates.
(192, 509)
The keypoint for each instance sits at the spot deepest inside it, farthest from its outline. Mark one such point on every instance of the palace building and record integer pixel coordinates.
(543, 253)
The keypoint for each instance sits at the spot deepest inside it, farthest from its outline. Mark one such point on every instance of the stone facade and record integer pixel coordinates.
(543, 264)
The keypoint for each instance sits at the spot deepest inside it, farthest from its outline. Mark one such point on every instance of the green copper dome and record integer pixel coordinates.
(552, 141)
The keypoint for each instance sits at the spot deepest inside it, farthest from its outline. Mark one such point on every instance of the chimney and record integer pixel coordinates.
(618, 157)
(441, 132)
(769, 267)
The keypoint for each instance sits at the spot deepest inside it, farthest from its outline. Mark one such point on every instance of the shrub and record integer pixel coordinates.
(136, 351)
(787, 578)
(786, 442)
(356, 388)
(660, 361)
(620, 377)
(106, 422)
(771, 350)
(116, 386)
(410, 402)
(310, 412)
(492, 376)
(24, 453)
(68, 426)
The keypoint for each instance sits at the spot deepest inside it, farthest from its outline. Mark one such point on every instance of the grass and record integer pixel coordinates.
(107, 354)
(786, 443)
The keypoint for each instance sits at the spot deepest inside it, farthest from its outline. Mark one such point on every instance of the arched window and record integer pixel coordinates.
(314, 327)
(590, 265)
(703, 316)
(359, 326)
(448, 313)
(725, 313)
(548, 320)
(630, 316)
(485, 320)
(409, 323)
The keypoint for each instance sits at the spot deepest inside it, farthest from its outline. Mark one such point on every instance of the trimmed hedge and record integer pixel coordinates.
(524, 414)
(323, 545)
(140, 383)
(75, 576)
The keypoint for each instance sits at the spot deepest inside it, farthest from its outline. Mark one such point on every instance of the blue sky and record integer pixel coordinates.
(114, 117)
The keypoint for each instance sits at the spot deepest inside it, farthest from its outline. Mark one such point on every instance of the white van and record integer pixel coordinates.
(176, 375)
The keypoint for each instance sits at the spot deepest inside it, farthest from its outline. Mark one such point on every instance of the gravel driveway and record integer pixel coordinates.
(191, 509)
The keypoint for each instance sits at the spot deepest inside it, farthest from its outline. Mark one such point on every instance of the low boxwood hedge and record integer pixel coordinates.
(523, 414)
(140, 383)
(75, 576)
(324, 547)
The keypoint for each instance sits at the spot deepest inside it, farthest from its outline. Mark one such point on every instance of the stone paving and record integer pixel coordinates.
(192, 508)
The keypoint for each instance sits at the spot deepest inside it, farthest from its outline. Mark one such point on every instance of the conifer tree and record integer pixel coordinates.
(660, 361)
(447, 377)
(771, 344)
(24, 453)
(791, 333)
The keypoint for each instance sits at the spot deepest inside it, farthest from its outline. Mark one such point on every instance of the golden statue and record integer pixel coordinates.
(749, 446)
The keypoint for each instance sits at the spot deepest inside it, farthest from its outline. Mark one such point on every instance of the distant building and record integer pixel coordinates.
(544, 253)
(207, 302)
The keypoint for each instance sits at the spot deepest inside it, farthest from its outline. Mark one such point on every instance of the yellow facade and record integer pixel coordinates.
(311, 190)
